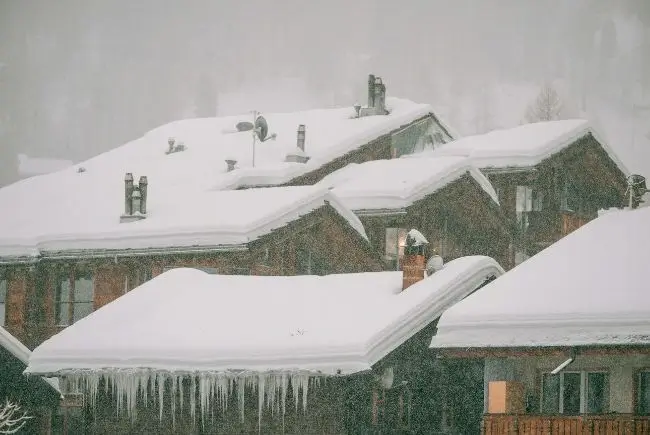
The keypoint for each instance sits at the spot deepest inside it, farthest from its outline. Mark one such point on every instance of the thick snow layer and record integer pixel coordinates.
(29, 166)
(211, 218)
(331, 324)
(590, 287)
(12, 345)
(522, 146)
(398, 183)
(69, 204)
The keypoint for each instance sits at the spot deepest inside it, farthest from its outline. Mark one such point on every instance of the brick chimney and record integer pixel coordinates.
(414, 262)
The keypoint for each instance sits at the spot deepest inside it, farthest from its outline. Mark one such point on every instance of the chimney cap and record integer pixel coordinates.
(143, 180)
(128, 176)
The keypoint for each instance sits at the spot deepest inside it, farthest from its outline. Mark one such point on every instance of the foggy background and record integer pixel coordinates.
(79, 77)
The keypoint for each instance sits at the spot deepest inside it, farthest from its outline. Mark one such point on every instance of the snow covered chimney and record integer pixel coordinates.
(128, 192)
(371, 90)
(135, 199)
(231, 164)
(301, 137)
(376, 98)
(414, 262)
(142, 184)
(380, 97)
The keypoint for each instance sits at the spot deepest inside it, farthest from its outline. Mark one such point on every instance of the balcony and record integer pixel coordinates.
(612, 424)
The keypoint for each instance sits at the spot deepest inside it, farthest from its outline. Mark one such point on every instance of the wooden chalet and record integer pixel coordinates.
(563, 339)
(551, 177)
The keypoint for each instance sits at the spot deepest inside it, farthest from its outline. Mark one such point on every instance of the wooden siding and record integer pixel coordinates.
(619, 424)
(31, 300)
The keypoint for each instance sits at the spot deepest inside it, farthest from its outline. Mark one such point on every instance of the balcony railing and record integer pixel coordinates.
(613, 424)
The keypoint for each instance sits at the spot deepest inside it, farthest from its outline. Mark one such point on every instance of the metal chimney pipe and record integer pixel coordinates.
(128, 193)
(301, 137)
(143, 193)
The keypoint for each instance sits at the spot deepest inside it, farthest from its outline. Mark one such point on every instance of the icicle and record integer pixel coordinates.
(193, 398)
(180, 394)
(285, 388)
(261, 384)
(161, 392)
(204, 385)
(173, 399)
(241, 385)
(305, 387)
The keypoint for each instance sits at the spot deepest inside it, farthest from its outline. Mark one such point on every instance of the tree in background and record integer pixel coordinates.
(547, 106)
(12, 419)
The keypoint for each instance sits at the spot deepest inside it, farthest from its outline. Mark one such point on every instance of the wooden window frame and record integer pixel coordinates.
(583, 390)
(636, 390)
(71, 273)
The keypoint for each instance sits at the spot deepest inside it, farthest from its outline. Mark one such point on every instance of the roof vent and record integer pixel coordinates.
(135, 199)
(231, 164)
(174, 147)
(434, 264)
(298, 154)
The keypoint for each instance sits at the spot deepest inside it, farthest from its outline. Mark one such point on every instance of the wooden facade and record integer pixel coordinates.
(459, 219)
(619, 424)
(566, 191)
(320, 242)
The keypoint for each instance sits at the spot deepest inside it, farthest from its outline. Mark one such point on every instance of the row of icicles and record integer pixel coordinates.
(209, 389)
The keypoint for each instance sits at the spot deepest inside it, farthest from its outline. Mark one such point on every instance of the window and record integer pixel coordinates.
(74, 296)
(310, 263)
(573, 393)
(136, 276)
(395, 242)
(3, 301)
(643, 393)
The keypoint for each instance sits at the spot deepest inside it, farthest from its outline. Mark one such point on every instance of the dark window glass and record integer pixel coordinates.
(597, 393)
(643, 401)
(550, 393)
(571, 394)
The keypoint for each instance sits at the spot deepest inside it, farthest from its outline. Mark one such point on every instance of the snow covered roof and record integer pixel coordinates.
(589, 288)
(523, 146)
(30, 166)
(335, 324)
(20, 351)
(86, 200)
(210, 220)
(398, 183)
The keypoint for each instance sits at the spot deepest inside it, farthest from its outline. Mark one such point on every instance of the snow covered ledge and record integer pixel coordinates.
(210, 358)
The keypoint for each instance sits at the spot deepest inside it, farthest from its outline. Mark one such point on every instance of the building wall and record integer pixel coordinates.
(31, 306)
(621, 369)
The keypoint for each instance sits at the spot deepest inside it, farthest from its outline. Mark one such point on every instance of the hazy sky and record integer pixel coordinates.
(79, 77)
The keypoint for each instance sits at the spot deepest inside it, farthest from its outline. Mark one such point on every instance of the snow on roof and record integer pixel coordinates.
(20, 351)
(523, 146)
(398, 183)
(331, 324)
(589, 288)
(29, 166)
(71, 202)
(204, 219)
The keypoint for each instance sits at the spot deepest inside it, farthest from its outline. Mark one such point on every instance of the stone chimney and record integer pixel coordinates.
(128, 192)
(414, 262)
(142, 184)
(371, 90)
(301, 137)
(135, 199)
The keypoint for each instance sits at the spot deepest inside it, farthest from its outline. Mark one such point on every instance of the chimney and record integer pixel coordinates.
(301, 137)
(371, 90)
(414, 262)
(170, 142)
(136, 200)
(128, 192)
(231, 164)
(142, 185)
(380, 97)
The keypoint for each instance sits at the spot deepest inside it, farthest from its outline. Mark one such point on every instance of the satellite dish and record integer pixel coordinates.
(244, 126)
(261, 128)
